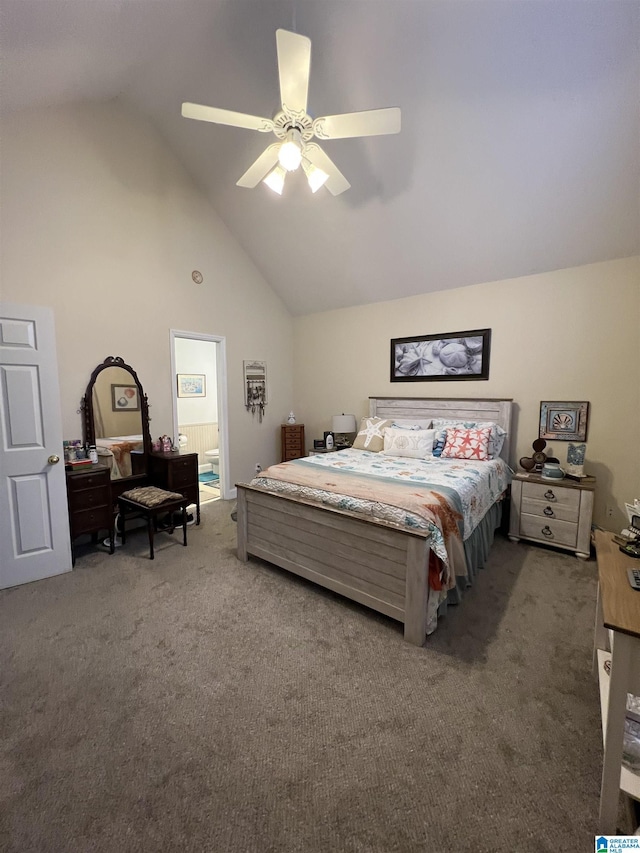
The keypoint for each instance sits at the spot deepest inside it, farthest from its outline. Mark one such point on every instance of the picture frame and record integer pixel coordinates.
(443, 357)
(192, 385)
(125, 398)
(564, 421)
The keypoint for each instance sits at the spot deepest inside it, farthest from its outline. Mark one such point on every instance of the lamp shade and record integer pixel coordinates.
(343, 423)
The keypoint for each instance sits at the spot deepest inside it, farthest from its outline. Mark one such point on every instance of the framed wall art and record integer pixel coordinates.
(192, 385)
(562, 421)
(125, 398)
(443, 357)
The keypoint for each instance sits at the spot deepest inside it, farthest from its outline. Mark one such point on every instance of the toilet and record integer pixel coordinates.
(213, 456)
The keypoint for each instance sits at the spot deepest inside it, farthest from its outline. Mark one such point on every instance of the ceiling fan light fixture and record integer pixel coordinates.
(275, 179)
(316, 178)
(290, 155)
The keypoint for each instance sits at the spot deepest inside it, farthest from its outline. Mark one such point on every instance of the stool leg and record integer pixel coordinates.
(150, 529)
(184, 525)
(123, 515)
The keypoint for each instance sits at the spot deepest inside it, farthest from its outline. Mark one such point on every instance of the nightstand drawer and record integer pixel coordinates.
(551, 494)
(550, 509)
(550, 530)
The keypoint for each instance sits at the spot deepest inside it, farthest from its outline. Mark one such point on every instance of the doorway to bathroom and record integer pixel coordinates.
(198, 365)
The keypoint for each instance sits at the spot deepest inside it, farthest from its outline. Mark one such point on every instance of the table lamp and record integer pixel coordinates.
(344, 429)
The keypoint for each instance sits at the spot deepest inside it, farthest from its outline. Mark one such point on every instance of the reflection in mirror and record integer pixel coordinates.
(116, 405)
(117, 418)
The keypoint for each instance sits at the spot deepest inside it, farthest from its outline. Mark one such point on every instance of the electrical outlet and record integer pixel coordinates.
(258, 468)
(609, 511)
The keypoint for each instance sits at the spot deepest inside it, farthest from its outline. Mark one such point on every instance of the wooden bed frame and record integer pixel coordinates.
(372, 562)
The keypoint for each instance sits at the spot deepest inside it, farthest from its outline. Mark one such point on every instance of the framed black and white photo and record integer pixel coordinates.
(562, 421)
(443, 357)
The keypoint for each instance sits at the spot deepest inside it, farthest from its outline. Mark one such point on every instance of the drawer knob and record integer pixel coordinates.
(549, 495)
(548, 511)
(546, 531)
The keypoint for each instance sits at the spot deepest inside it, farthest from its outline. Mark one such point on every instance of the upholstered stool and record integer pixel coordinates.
(150, 502)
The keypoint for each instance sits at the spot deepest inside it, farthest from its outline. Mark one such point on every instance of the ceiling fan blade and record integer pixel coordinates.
(365, 123)
(336, 182)
(257, 171)
(294, 64)
(228, 117)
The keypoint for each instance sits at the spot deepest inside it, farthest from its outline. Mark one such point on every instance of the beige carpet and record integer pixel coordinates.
(195, 703)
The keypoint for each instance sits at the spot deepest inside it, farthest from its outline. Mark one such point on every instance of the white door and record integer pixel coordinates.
(34, 524)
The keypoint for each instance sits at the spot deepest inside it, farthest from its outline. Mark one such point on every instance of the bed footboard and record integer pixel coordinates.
(368, 561)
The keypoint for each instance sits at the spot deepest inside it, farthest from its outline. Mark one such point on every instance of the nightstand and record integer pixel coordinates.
(316, 451)
(556, 512)
(292, 440)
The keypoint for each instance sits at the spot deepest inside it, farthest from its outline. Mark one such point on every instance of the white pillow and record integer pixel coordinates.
(412, 444)
(399, 423)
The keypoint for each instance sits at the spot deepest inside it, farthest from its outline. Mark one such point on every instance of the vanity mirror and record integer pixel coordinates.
(116, 420)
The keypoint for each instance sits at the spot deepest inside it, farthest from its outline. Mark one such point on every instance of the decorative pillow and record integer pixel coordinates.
(439, 442)
(496, 439)
(467, 444)
(400, 424)
(371, 434)
(411, 443)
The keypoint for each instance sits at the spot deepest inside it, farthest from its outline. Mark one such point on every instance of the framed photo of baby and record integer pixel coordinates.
(443, 357)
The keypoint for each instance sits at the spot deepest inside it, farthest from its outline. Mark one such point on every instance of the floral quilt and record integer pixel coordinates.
(446, 497)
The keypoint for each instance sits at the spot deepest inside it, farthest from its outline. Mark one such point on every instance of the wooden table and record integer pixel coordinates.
(617, 637)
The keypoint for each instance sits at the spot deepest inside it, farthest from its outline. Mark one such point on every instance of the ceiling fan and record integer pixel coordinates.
(295, 128)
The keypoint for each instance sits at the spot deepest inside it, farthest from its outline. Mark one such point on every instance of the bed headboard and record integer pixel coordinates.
(457, 409)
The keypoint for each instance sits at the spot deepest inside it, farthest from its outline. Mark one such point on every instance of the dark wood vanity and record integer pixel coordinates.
(115, 414)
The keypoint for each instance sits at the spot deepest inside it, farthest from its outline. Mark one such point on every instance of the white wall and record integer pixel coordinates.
(568, 335)
(100, 222)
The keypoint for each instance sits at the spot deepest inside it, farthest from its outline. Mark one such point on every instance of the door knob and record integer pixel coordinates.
(53, 459)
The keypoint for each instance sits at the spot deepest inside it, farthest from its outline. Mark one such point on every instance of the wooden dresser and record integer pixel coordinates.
(617, 660)
(90, 507)
(177, 472)
(292, 439)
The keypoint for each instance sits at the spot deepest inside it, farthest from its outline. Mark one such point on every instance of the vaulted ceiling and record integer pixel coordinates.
(519, 151)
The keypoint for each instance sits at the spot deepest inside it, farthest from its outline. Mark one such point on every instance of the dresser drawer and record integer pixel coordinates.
(550, 509)
(89, 498)
(183, 473)
(551, 494)
(553, 531)
(90, 480)
(90, 520)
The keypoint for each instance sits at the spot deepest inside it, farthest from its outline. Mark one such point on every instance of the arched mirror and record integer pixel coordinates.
(116, 418)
